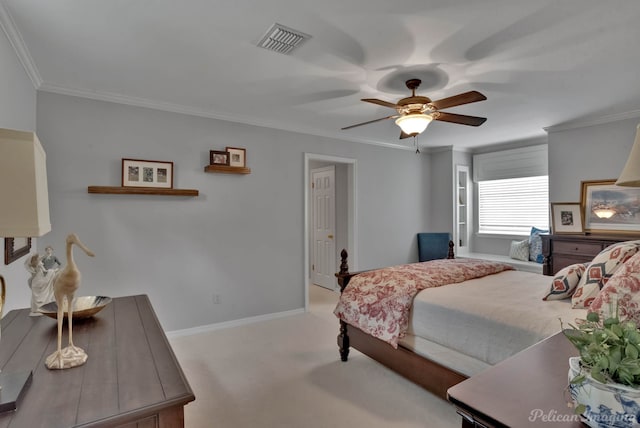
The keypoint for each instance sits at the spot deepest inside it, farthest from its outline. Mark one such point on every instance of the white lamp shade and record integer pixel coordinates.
(414, 124)
(24, 196)
(630, 175)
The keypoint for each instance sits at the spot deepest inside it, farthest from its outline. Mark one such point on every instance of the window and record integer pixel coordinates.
(511, 206)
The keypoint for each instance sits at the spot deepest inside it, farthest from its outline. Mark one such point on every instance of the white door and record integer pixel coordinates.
(323, 263)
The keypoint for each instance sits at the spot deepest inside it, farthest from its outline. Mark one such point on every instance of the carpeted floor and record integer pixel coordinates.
(287, 373)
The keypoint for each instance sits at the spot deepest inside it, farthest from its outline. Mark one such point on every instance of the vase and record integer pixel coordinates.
(607, 404)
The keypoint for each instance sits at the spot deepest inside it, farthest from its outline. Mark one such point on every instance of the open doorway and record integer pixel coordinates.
(345, 212)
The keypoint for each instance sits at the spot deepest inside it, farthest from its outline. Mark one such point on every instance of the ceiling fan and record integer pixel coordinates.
(414, 113)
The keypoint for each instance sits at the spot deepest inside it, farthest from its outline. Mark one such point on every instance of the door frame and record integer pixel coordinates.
(352, 229)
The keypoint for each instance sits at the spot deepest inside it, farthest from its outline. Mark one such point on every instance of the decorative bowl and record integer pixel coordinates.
(83, 307)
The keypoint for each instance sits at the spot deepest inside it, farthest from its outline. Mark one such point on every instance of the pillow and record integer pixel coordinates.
(535, 244)
(565, 282)
(621, 293)
(600, 270)
(520, 250)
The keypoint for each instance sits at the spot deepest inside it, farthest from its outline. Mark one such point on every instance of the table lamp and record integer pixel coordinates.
(24, 212)
(630, 175)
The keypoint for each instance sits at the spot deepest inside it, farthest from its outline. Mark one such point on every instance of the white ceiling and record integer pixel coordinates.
(541, 63)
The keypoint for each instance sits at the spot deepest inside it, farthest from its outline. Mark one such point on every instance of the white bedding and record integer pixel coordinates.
(487, 319)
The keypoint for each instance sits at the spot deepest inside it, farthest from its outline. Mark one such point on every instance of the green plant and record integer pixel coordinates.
(609, 349)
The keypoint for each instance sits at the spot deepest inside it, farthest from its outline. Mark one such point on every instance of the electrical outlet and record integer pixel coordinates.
(216, 299)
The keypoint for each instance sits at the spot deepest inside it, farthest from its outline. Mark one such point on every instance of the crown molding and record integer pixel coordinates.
(439, 149)
(9, 27)
(594, 121)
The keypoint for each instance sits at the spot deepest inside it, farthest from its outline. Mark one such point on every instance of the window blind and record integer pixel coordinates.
(514, 205)
(523, 162)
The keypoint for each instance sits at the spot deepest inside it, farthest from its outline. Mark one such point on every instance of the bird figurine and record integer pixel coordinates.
(65, 285)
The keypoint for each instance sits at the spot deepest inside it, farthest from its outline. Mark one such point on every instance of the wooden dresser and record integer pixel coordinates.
(560, 251)
(525, 390)
(131, 379)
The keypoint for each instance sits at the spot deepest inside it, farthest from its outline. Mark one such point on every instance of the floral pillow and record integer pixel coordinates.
(565, 282)
(622, 293)
(600, 270)
(519, 250)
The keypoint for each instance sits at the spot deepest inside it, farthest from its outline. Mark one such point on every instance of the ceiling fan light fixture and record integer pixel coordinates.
(414, 123)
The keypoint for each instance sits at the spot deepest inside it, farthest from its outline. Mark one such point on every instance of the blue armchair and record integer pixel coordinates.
(433, 245)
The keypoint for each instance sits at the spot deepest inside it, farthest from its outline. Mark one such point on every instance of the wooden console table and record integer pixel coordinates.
(526, 390)
(131, 379)
(560, 251)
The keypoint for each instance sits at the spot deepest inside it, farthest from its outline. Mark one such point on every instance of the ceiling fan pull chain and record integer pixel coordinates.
(415, 142)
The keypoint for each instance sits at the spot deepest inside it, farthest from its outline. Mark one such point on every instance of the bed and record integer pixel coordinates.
(449, 338)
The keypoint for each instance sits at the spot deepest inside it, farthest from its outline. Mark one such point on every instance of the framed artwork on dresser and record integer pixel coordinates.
(609, 208)
(566, 217)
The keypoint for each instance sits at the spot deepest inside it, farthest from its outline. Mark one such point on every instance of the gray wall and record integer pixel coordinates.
(588, 153)
(440, 206)
(440, 167)
(242, 238)
(17, 111)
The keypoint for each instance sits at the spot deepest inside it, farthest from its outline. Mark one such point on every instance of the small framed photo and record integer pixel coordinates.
(237, 156)
(566, 217)
(146, 173)
(14, 248)
(218, 157)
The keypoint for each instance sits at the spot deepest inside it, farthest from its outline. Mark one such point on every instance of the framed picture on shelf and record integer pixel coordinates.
(218, 157)
(237, 156)
(14, 248)
(610, 208)
(146, 173)
(566, 217)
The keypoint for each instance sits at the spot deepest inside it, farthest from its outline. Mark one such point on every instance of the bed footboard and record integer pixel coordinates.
(426, 373)
(344, 276)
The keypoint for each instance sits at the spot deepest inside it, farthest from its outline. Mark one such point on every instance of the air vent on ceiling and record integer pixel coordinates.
(282, 39)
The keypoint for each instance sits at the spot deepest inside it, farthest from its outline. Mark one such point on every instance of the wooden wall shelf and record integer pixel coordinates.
(227, 169)
(114, 190)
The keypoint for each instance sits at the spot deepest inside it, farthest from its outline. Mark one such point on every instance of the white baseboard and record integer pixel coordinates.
(233, 323)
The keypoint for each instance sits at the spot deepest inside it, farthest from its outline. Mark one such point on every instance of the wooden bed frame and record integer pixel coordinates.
(432, 376)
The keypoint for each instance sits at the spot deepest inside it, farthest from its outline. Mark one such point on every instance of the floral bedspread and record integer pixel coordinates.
(378, 302)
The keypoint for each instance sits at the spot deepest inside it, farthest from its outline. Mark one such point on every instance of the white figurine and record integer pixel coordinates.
(65, 284)
(49, 261)
(41, 281)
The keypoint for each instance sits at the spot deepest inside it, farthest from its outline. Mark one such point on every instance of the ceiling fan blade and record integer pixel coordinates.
(459, 118)
(380, 102)
(404, 135)
(371, 121)
(458, 100)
